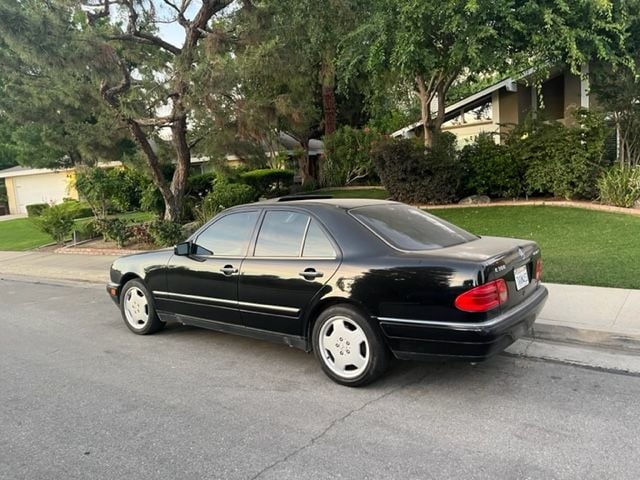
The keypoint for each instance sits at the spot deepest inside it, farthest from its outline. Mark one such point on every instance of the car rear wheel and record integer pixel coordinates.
(350, 350)
(138, 311)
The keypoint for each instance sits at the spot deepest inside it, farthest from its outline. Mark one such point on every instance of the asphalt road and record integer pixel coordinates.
(82, 397)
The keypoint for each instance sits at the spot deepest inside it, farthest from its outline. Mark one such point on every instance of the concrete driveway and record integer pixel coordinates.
(4, 218)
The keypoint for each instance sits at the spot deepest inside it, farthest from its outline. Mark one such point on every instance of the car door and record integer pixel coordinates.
(204, 285)
(293, 257)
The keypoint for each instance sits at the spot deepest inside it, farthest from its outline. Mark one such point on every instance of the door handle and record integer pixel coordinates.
(310, 274)
(229, 270)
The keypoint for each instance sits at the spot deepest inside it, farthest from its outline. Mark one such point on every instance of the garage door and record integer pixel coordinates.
(45, 188)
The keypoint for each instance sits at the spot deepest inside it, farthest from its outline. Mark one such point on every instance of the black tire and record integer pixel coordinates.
(374, 349)
(131, 319)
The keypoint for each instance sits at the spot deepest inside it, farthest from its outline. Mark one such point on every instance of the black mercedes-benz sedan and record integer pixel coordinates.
(353, 280)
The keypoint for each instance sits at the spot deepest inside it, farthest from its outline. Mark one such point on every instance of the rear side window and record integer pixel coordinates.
(408, 228)
(317, 244)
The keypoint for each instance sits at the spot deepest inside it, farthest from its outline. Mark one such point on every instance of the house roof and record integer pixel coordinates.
(24, 171)
(20, 171)
(470, 102)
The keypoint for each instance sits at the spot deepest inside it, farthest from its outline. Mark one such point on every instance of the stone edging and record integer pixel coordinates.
(96, 251)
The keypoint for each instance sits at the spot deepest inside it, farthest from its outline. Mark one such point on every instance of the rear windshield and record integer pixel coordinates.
(408, 228)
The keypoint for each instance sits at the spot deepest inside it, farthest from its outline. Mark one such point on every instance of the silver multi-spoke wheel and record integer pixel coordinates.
(136, 308)
(344, 347)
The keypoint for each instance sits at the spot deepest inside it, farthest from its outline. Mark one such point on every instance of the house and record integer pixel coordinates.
(26, 186)
(497, 108)
(36, 185)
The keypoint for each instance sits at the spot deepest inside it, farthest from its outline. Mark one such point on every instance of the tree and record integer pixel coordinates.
(433, 45)
(153, 88)
(617, 90)
(51, 113)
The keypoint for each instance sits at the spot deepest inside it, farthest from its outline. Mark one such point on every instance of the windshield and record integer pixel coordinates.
(409, 228)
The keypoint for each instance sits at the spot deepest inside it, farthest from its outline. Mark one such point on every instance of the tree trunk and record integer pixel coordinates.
(329, 104)
(330, 109)
(426, 95)
(173, 211)
(303, 162)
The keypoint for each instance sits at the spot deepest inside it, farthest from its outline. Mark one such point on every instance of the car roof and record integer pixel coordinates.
(321, 201)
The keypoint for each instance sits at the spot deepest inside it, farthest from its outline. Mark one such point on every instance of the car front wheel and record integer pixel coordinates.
(350, 350)
(138, 312)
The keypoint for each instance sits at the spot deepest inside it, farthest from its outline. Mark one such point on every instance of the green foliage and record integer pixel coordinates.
(620, 186)
(97, 187)
(57, 221)
(165, 233)
(412, 173)
(129, 187)
(199, 186)
(36, 209)
(491, 169)
(86, 230)
(151, 200)
(268, 182)
(563, 161)
(111, 189)
(76, 209)
(227, 195)
(114, 229)
(348, 156)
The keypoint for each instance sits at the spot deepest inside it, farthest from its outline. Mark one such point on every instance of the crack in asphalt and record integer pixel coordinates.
(334, 422)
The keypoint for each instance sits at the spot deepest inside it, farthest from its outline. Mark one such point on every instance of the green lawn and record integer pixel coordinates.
(377, 193)
(21, 234)
(579, 246)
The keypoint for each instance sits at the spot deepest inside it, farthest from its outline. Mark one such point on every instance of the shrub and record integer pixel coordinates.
(140, 233)
(131, 185)
(348, 156)
(151, 200)
(620, 186)
(225, 195)
(114, 229)
(309, 185)
(268, 182)
(414, 174)
(199, 186)
(36, 209)
(111, 189)
(490, 169)
(55, 221)
(165, 232)
(77, 209)
(86, 230)
(563, 161)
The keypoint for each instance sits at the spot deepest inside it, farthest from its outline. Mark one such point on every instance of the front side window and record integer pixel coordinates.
(409, 228)
(229, 236)
(281, 234)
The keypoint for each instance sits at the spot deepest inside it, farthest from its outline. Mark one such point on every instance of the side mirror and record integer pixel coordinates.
(183, 249)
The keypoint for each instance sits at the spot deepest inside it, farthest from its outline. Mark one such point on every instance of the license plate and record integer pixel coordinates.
(522, 277)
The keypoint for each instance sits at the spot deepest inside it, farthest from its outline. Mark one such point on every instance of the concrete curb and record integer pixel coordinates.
(598, 359)
(629, 343)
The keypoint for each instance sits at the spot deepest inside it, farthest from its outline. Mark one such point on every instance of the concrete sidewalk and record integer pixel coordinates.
(602, 317)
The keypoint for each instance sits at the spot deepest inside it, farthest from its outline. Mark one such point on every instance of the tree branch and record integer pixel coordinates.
(146, 39)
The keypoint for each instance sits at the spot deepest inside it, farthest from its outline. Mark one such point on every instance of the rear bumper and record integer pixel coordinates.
(423, 339)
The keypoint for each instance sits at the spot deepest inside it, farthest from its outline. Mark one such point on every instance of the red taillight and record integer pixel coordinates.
(483, 298)
(538, 275)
